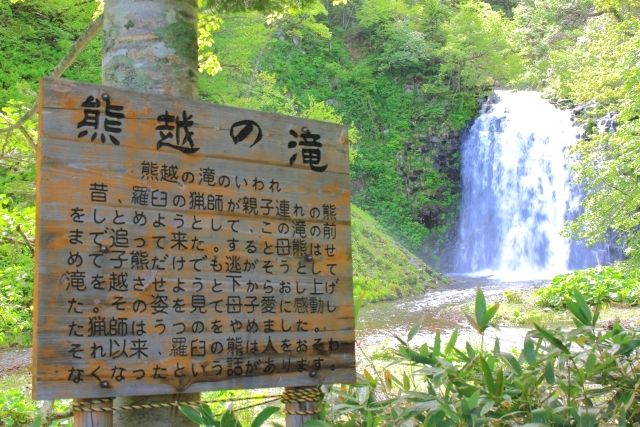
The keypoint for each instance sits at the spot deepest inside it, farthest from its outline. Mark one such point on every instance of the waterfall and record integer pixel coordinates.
(516, 191)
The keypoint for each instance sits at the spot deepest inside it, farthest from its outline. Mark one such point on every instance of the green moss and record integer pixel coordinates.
(181, 37)
(383, 269)
(121, 69)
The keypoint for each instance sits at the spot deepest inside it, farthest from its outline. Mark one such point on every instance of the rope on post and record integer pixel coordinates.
(301, 404)
(301, 394)
(90, 405)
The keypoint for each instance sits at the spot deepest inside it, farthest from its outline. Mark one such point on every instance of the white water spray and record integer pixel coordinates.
(516, 192)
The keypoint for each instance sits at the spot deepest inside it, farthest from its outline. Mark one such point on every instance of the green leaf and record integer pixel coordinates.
(192, 414)
(555, 341)
(264, 415)
(583, 306)
(480, 307)
(596, 315)
(488, 316)
(470, 351)
(316, 423)
(529, 351)
(436, 344)
(414, 329)
(488, 376)
(447, 409)
(549, 372)
(37, 421)
(207, 414)
(472, 400)
(229, 420)
(628, 347)
(590, 363)
(406, 382)
(416, 357)
(579, 309)
(451, 344)
(512, 362)
(356, 310)
(369, 419)
(499, 382)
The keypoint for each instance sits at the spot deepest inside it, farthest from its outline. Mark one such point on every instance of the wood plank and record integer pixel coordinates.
(163, 271)
(212, 124)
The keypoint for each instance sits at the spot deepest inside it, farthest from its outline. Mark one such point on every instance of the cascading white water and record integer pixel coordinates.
(516, 192)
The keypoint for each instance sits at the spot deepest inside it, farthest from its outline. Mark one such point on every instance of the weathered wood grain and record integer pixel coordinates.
(211, 128)
(255, 321)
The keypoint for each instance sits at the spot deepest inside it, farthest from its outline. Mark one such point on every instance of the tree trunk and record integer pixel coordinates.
(151, 46)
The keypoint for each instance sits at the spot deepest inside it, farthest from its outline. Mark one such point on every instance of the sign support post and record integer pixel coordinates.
(301, 404)
(99, 415)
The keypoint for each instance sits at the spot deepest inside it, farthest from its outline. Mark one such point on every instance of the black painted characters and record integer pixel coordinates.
(101, 123)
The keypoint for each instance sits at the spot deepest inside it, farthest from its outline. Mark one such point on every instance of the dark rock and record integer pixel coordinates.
(607, 124)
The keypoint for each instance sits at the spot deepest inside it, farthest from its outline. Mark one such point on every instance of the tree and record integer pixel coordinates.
(603, 68)
(478, 52)
(152, 46)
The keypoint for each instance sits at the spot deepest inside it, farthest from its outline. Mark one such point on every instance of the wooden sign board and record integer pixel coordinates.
(184, 246)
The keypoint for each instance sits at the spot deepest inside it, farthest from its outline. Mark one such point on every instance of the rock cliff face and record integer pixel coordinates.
(420, 162)
(429, 166)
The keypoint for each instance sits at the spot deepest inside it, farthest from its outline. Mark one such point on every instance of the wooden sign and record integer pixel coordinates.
(184, 246)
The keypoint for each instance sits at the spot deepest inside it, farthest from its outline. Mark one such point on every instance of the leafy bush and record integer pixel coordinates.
(17, 218)
(383, 269)
(618, 282)
(585, 376)
(16, 296)
(16, 409)
(203, 415)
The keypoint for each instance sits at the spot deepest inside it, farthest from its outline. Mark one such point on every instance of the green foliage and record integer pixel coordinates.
(483, 315)
(583, 376)
(381, 268)
(34, 36)
(297, 67)
(478, 52)
(17, 218)
(204, 416)
(208, 62)
(607, 164)
(16, 295)
(545, 27)
(388, 77)
(16, 409)
(261, 5)
(586, 51)
(600, 285)
(372, 14)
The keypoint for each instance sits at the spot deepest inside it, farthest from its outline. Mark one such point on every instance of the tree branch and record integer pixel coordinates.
(26, 240)
(28, 137)
(62, 66)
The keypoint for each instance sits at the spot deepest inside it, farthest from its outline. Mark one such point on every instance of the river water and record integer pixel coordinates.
(378, 323)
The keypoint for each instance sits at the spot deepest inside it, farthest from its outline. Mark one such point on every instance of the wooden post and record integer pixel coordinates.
(301, 404)
(97, 417)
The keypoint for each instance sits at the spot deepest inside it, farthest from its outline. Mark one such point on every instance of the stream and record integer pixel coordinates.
(378, 323)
